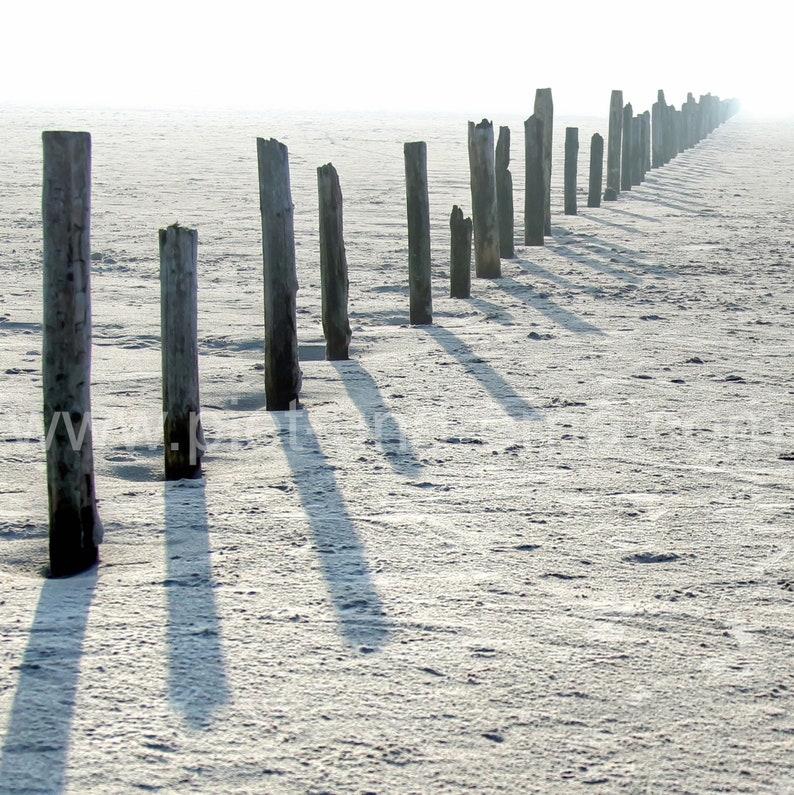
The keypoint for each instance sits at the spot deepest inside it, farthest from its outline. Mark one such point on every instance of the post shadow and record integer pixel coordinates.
(366, 395)
(502, 392)
(544, 305)
(36, 746)
(493, 311)
(625, 256)
(597, 265)
(356, 603)
(197, 684)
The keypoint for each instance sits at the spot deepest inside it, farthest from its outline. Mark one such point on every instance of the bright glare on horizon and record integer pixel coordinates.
(482, 59)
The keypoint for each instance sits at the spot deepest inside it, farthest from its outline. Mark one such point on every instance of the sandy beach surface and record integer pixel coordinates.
(543, 545)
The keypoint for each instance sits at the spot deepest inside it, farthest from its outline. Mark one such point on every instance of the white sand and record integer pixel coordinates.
(545, 545)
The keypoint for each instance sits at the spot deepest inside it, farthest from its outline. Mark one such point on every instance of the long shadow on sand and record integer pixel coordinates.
(197, 683)
(502, 392)
(36, 746)
(543, 304)
(385, 430)
(356, 603)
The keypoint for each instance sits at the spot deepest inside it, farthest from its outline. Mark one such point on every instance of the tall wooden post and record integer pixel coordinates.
(658, 110)
(504, 194)
(419, 275)
(544, 109)
(534, 190)
(571, 158)
(75, 529)
(487, 264)
(282, 369)
(334, 283)
(184, 441)
(646, 143)
(596, 170)
(636, 151)
(460, 229)
(625, 163)
(614, 143)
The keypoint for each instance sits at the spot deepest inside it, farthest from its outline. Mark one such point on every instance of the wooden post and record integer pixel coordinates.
(282, 369)
(544, 109)
(625, 163)
(596, 170)
(487, 264)
(504, 194)
(571, 157)
(534, 191)
(646, 142)
(614, 144)
(419, 276)
(636, 151)
(184, 441)
(75, 529)
(658, 110)
(459, 254)
(334, 283)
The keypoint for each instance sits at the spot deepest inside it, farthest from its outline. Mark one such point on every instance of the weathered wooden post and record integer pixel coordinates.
(636, 151)
(75, 529)
(646, 142)
(504, 194)
(282, 369)
(625, 163)
(184, 441)
(658, 113)
(485, 215)
(571, 158)
(614, 145)
(459, 254)
(544, 109)
(534, 190)
(596, 170)
(334, 283)
(419, 275)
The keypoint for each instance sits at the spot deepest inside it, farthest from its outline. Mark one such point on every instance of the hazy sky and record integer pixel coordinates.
(480, 58)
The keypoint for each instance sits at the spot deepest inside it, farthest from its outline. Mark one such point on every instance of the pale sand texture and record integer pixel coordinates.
(545, 545)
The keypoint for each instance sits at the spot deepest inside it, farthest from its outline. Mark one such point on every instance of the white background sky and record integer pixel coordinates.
(480, 58)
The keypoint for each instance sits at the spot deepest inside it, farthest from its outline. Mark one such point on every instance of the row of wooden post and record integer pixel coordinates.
(75, 527)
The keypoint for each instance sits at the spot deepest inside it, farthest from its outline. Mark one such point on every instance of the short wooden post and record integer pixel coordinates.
(544, 109)
(571, 158)
(614, 145)
(625, 163)
(184, 441)
(334, 283)
(596, 170)
(75, 530)
(419, 274)
(504, 194)
(534, 191)
(459, 254)
(485, 215)
(282, 369)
